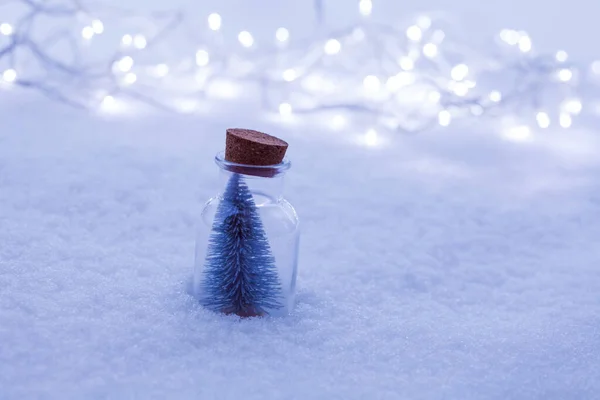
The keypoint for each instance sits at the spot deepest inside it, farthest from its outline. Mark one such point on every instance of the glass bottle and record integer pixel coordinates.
(247, 243)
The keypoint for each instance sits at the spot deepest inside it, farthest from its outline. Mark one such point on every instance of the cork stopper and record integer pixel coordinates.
(250, 147)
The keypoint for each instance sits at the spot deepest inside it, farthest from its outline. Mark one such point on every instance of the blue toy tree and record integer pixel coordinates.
(240, 275)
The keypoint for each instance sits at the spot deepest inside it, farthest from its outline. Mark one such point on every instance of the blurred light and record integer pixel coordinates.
(399, 80)
(333, 46)
(202, 58)
(424, 22)
(214, 21)
(460, 88)
(444, 118)
(438, 36)
(596, 67)
(542, 119)
(130, 78)
(125, 63)
(87, 32)
(187, 105)
(430, 50)
(246, 39)
(495, 96)
(365, 7)
(289, 75)
(414, 33)
(358, 34)
(525, 43)
(459, 72)
(572, 106)
(371, 83)
(434, 96)
(108, 101)
(161, 70)
(509, 36)
(561, 56)
(6, 29)
(282, 34)
(97, 26)
(10, 75)
(518, 133)
(127, 40)
(338, 121)
(139, 41)
(285, 109)
(565, 74)
(477, 110)
(406, 63)
(565, 120)
(371, 137)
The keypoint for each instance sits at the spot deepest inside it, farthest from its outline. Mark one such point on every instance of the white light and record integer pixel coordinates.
(424, 22)
(202, 58)
(572, 106)
(434, 97)
(332, 46)
(495, 96)
(371, 137)
(6, 29)
(444, 118)
(565, 74)
(214, 21)
(510, 36)
(139, 41)
(161, 70)
(561, 56)
(358, 34)
(365, 7)
(414, 33)
(542, 119)
(518, 133)
(460, 89)
(246, 39)
(396, 82)
(596, 67)
(525, 43)
(338, 121)
(285, 109)
(10, 75)
(476, 110)
(108, 101)
(459, 72)
(127, 40)
(565, 120)
(87, 32)
(406, 63)
(97, 26)
(430, 50)
(282, 34)
(371, 83)
(130, 78)
(125, 63)
(289, 75)
(438, 36)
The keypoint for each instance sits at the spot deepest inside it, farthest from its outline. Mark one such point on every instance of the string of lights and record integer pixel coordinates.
(406, 79)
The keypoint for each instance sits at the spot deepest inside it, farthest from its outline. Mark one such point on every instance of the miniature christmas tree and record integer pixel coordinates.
(240, 275)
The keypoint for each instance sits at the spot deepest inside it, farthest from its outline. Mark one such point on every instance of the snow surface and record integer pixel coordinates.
(446, 265)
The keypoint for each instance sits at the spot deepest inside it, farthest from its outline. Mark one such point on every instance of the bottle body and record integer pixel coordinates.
(247, 238)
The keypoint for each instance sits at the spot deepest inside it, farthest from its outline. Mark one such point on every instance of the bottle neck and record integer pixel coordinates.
(268, 187)
(264, 181)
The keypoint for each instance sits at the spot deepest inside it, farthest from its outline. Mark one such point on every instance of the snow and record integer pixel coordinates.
(460, 263)
(452, 264)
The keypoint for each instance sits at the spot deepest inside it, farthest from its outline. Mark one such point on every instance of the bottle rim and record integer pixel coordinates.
(247, 169)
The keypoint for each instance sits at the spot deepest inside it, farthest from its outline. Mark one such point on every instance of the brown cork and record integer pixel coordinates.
(250, 147)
